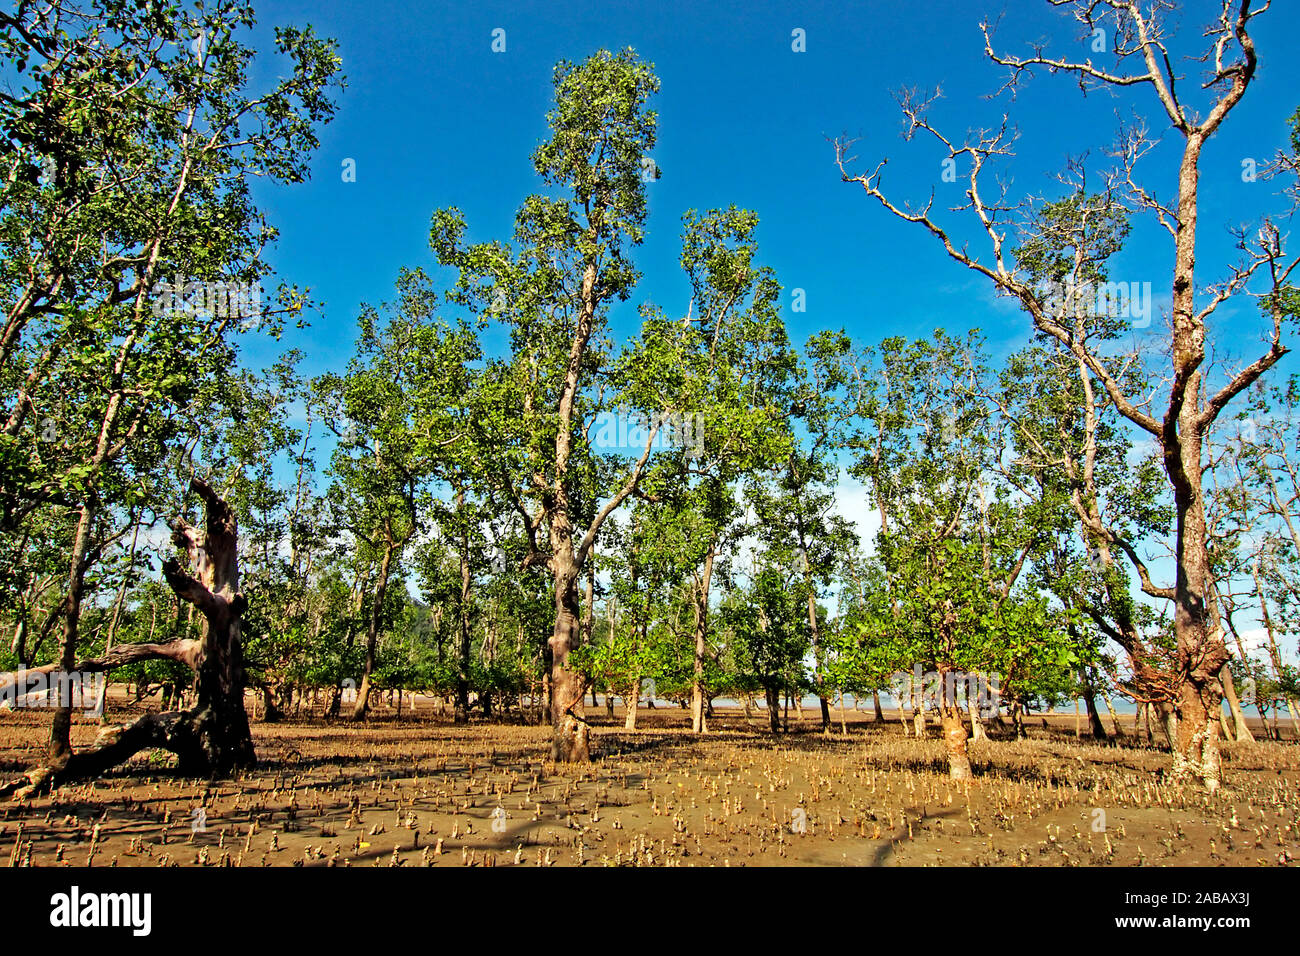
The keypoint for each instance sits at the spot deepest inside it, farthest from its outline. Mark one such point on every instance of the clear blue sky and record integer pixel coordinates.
(433, 117)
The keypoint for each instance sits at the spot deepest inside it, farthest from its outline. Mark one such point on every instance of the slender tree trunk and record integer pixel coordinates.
(976, 725)
(462, 672)
(1114, 717)
(270, 713)
(358, 601)
(1169, 723)
(815, 632)
(60, 746)
(698, 723)
(1275, 658)
(101, 702)
(1018, 720)
(1269, 734)
(372, 632)
(773, 694)
(1240, 730)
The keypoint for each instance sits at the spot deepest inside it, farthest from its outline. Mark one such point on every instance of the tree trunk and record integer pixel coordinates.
(570, 741)
(773, 695)
(698, 723)
(973, 709)
(632, 700)
(60, 745)
(101, 703)
(372, 631)
(1114, 717)
(462, 672)
(336, 698)
(1095, 726)
(1224, 729)
(1018, 720)
(211, 739)
(270, 713)
(1169, 723)
(1201, 652)
(818, 677)
(954, 737)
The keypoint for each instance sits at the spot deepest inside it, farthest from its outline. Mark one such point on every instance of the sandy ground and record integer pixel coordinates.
(422, 791)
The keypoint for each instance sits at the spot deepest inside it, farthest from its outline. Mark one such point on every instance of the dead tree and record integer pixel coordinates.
(212, 738)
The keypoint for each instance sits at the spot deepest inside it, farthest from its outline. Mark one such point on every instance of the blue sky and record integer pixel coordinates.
(432, 117)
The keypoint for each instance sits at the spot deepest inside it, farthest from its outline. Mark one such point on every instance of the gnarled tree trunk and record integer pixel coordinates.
(568, 687)
(954, 730)
(212, 738)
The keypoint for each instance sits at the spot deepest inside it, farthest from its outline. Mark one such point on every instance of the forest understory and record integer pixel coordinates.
(420, 790)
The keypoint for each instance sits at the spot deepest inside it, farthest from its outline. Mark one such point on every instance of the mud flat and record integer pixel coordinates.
(420, 790)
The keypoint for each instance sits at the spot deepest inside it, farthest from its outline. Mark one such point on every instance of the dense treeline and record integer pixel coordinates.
(510, 500)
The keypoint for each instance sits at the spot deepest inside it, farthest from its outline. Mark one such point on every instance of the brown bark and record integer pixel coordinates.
(698, 723)
(212, 738)
(60, 745)
(1242, 732)
(632, 699)
(1180, 430)
(462, 673)
(571, 733)
(372, 631)
(818, 677)
(973, 710)
(1095, 727)
(1114, 717)
(358, 601)
(954, 732)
